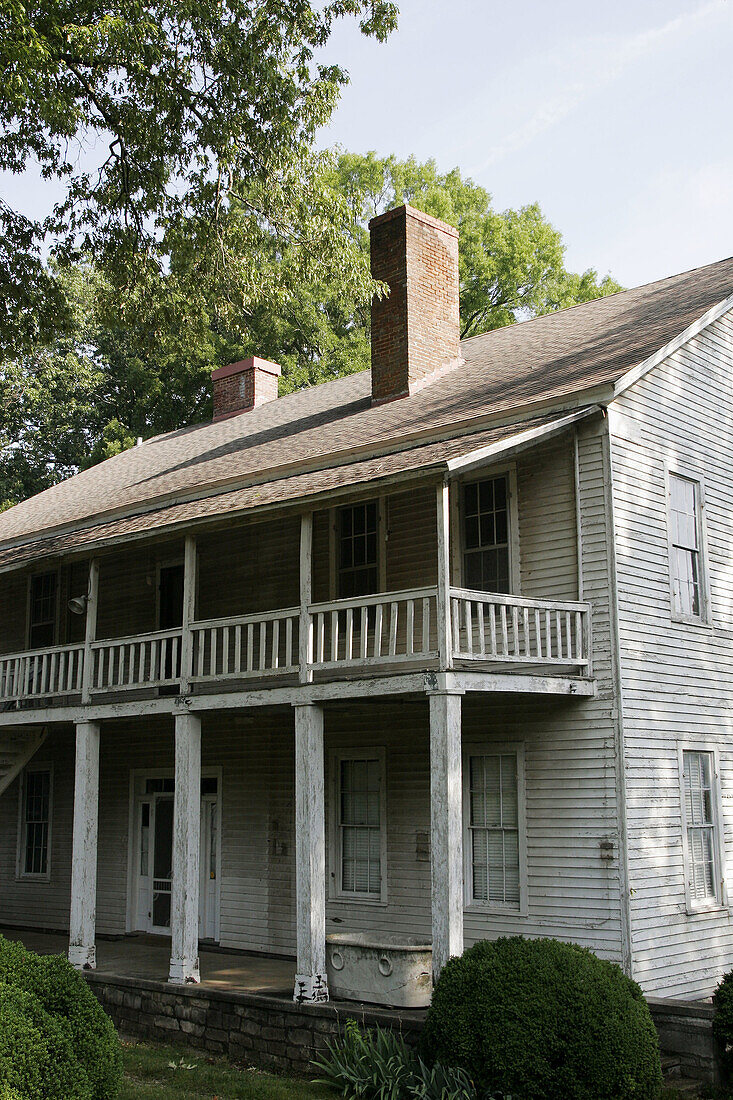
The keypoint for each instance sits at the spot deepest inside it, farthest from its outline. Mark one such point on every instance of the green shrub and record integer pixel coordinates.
(378, 1065)
(37, 1060)
(723, 1021)
(63, 994)
(543, 1020)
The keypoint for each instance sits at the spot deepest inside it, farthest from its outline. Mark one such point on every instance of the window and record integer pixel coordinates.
(700, 823)
(42, 610)
(358, 564)
(360, 822)
(35, 822)
(495, 828)
(486, 535)
(685, 564)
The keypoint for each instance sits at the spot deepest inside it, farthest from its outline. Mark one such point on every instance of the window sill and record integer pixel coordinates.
(357, 899)
(485, 907)
(27, 876)
(684, 620)
(706, 910)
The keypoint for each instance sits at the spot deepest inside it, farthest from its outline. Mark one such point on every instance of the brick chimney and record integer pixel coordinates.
(415, 331)
(242, 386)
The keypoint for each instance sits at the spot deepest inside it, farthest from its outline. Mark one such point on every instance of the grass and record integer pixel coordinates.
(171, 1073)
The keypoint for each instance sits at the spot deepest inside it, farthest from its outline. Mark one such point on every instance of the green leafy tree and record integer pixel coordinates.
(203, 108)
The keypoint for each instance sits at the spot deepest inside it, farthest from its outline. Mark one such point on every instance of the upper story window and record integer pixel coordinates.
(486, 545)
(358, 561)
(35, 822)
(360, 826)
(493, 799)
(686, 560)
(42, 610)
(699, 782)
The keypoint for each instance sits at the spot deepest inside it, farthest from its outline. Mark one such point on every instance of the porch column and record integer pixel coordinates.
(82, 949)
(310, 856)
(184, 965)
(446, 840)
(445, 634)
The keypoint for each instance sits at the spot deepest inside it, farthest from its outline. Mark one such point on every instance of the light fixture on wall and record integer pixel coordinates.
(78, 605)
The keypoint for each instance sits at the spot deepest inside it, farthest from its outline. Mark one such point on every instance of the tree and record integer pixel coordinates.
(204, 108)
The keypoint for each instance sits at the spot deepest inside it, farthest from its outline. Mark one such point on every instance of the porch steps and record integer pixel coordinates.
(16, 749)
(673, 1079)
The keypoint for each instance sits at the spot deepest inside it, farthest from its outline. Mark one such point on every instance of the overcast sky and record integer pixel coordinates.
(615, 117)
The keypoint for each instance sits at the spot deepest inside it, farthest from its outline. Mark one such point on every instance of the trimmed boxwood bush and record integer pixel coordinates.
(723, 1020)
(73, 1017)
(543, 1020)
(37, 1058)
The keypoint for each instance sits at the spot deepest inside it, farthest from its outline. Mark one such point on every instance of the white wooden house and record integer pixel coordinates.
(444, 648)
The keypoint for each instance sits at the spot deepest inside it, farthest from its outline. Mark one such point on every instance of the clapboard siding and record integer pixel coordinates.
(260, 563)
(547, 522)
(36, 903)
(677, 679)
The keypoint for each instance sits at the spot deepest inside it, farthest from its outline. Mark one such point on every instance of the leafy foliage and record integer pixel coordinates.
(203, 109)
(51, 998)
(378, 1065)
(723, 1020)
(543, 1020)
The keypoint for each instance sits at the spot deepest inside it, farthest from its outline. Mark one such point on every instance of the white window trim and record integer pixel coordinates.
(696, 476)
(137, 774)
(335, 893)
(20, 873)
(492, 748)
(333, 542)
(720, 901)
(57, 623)
(510, 472)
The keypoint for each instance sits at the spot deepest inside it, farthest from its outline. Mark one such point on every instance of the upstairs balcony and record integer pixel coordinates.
(384, 633)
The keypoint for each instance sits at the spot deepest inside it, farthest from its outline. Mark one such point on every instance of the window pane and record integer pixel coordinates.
(698, 795)
(360, 826)
(685, 537)
(36, 821)
(494, 827)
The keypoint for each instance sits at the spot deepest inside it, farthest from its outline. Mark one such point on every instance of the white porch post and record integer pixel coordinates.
(189, 613)
(311, 984)
(445, 634)
(90, 631)
(184, 966)
(446, 847)
(305, 629)
(82, 949)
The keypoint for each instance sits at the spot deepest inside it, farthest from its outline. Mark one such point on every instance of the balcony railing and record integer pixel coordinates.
(390, 630)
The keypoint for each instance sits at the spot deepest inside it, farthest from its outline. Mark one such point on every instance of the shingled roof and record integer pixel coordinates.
(511, 374)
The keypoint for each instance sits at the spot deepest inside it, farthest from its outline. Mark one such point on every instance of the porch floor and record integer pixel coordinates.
(143, 956)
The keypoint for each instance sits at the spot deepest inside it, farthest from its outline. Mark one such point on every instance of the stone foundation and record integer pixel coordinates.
(270, 1032)
(686, 1033)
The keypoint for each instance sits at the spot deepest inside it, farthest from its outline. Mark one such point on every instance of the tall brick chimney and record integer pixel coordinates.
(242, 386)
(415, 331)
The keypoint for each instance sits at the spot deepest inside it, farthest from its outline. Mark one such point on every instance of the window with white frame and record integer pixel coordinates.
(360, 825)
(686, 563)
(493, 825)
(486, 534)
(35, 822)
(42, 610)
(700, 798)
(358, 561)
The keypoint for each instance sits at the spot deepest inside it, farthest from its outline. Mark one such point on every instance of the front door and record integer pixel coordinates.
(154, 857)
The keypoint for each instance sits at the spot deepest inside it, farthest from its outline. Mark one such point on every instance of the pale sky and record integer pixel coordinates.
(616, 118)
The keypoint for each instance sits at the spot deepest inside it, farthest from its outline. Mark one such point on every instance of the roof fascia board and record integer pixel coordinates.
(670, 348)
(597, 395)
(524, 440)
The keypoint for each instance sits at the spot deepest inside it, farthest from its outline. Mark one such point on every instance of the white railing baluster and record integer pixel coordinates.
(481, 631)
(364, 636)
(349, 639)
(250, 646)
(568, 636)
(468, 623)
(525, 624)
(558, 629)
(225, 651)
(548, 635)
(579, 636)
(410, 628)
(288, 642)
(238, 648)
(276, 644)
(393, 614)
(515, 628)
(504, 630)
(537, 632)
(378, 631)
(492, 628)
(334, 636)
(263, 645)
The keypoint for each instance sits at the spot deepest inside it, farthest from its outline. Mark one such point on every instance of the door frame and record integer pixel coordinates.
(132, 839)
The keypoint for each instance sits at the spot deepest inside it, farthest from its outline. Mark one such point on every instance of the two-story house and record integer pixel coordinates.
(442, 649)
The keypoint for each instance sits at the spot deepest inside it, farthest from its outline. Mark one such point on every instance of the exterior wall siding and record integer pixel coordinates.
(677, 678)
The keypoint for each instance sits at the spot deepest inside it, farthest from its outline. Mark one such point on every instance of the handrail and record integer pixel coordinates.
(525, 601)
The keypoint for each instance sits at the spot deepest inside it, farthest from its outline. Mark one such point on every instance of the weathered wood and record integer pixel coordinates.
(305, 628)
(82, 920)
(446, 828)
(184, 963)
(311, 984)
(445, 637)
(189, 613)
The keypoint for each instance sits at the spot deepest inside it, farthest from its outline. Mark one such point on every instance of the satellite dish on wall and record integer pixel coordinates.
(78, 605)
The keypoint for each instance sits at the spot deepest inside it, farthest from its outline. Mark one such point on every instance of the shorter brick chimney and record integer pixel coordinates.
(242, 386)
(416, 330)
